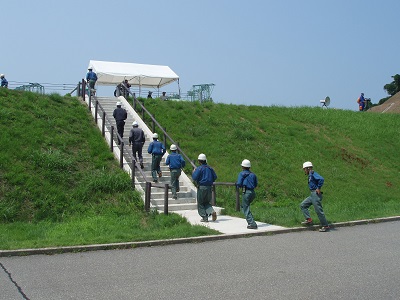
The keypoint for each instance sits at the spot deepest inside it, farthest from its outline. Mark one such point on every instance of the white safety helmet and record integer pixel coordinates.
(246, 163)
(307, 164)
(173, 147)
(118, 103)
(155, 136)
(135, 124)
(2, 75)
(202, 156)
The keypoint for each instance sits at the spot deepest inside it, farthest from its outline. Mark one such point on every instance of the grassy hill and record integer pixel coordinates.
(60, 185)
(355, 152)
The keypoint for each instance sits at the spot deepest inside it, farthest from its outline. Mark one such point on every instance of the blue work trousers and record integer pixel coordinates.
(204, 207)
(175, 173)
(315, 200)
(155, 166)
(247, 198)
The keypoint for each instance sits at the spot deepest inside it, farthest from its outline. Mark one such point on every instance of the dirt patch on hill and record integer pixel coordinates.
(392, 105)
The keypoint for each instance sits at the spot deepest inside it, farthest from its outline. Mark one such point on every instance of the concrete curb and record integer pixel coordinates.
(131, 245)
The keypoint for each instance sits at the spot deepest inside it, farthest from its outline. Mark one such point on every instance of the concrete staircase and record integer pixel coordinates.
(187, 194)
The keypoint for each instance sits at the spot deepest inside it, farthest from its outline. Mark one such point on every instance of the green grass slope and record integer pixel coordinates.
(59, 183)
(355, 152)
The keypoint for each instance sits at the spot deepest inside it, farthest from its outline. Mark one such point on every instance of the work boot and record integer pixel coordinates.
(252, 227)
(307, 222)
(324, 229)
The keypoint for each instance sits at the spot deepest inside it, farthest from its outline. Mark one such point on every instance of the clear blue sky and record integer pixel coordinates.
(257, 52)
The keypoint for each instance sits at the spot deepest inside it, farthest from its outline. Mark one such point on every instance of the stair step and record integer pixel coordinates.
(177, 207)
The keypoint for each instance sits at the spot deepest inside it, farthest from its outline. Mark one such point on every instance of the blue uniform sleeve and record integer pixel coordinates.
(163, 149)
(214, 175)
(319, 180)
(150, 148)
(183, 162)
(195, 174)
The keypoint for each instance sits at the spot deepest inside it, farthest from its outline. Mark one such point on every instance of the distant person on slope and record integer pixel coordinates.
(248, 182)
(361, 102)
(4, 82)
(137, 140)
(120, 116)
(164, 96)
(157, 150)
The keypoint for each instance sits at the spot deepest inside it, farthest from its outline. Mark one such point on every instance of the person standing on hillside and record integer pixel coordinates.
(247, 180)
(175, 162)
(137, 140)
(204, 177)
(120, 116)
(315, 182)
(4, 82)
(164, 96)
(91, 78)
(157, 150)
(361, 102)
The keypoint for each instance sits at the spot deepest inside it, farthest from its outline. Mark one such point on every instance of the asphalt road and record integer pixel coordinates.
(359, 262)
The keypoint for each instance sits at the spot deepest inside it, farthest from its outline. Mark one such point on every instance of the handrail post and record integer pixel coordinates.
(237, 199)
(112, 138)
(78, 90)
(147, 197)
(121, 155)
(95, 110)
(90, 99)
(103, 126)
(213, 200)
(83, 90)
(154, 124)
(133, 173)
(166, 199)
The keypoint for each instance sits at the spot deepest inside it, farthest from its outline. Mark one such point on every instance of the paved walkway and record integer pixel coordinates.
(227, 224)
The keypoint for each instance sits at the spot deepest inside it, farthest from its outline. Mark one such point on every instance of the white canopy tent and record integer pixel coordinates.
(149, 76)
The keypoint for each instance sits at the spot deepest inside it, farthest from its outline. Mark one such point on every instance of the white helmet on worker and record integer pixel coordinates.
(2, 75)
(155, 136)
(307, 164)
(173, 147)
(135, 124)
(118, 103)
(202, 156)
(246, 163)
